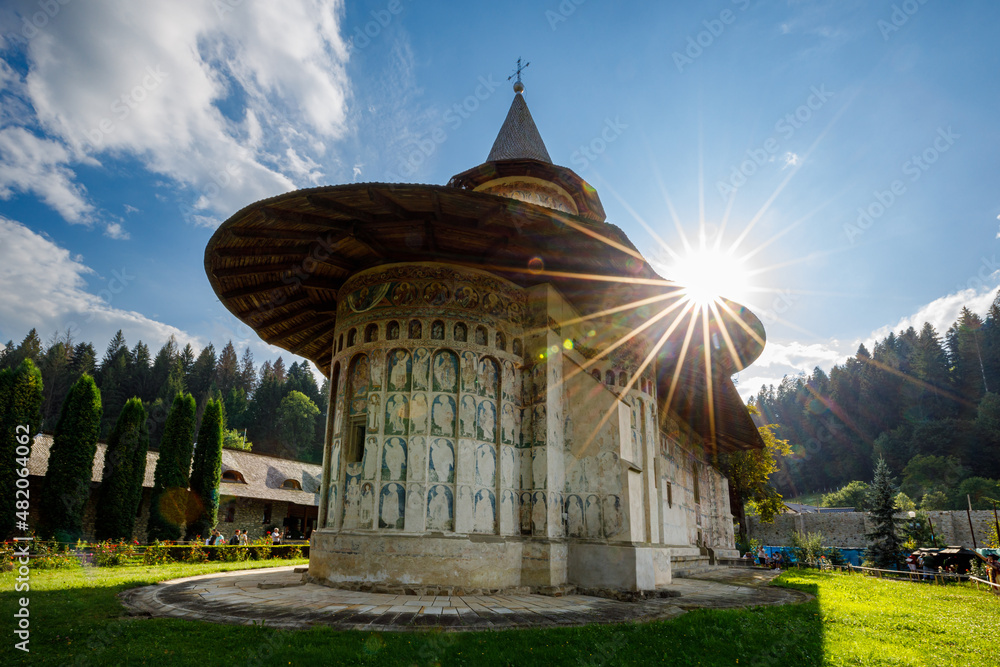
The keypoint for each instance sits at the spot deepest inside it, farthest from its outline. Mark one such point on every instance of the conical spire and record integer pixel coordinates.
(519, 138)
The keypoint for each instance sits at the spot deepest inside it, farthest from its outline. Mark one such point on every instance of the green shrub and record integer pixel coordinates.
(6, 557)
(232, 554)
(111, 553)
(196, 553)
(52, 555)
(157, 554)
(261, 548)
(807, 547)
(291, 551)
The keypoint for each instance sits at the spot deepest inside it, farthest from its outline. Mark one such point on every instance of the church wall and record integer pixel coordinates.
(431, 364)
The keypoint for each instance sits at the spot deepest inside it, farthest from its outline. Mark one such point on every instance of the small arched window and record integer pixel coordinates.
(609, 378)
(233, 476)
(597, 374)
(480, 335)
(622, 379)
(517, 346)
(292, 484)
(501, 341)
(340, 343)
(437, 330)
(461, 332)
(415, 330)
(371, 333)
(352, 336)
(392, 330)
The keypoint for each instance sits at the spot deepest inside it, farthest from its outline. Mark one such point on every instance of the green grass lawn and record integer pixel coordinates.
(855, 620)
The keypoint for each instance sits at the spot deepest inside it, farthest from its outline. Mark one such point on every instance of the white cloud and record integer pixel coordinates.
(30, 164)
(206, 96)
(43, 287)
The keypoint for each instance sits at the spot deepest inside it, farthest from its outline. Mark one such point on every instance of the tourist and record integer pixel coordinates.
(929, 566)
(276, 536)
(761, 556)
(993, 569)
(244, 538)
(235, 539)
(911, 562)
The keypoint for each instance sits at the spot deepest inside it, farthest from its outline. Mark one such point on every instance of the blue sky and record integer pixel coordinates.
(130, 130)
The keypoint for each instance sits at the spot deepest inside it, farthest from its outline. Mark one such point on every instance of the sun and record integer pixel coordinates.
(707, 274)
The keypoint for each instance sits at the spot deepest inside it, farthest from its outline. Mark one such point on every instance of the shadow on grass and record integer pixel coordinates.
(88, 626)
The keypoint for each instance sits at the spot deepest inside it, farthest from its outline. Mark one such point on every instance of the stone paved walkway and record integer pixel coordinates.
(278, 598)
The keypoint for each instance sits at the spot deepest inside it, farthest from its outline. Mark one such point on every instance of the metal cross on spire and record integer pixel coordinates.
(518, 86)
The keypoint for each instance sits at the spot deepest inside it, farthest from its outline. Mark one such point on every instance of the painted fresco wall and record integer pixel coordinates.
(487, 410)
(432, 362)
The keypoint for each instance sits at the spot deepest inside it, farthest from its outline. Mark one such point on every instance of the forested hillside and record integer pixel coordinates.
(257, 400)
(930, 406)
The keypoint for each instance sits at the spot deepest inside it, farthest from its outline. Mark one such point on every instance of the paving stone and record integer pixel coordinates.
(278, 598)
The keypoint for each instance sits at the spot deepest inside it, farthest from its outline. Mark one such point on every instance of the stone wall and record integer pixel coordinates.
(847, 529)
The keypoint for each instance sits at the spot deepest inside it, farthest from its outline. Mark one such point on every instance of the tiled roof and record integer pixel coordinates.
(264, 475)
(519, 138)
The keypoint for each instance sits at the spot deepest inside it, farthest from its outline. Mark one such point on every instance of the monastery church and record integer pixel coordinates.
(517, 398)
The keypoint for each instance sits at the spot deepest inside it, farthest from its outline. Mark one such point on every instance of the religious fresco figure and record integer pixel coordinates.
(396, 414)
(538, 513)
(443, 416)
(442, 461)
(464, 506)
(392, 507)
(525, 468)
(399, 370)
(331, 506)
(489, 375)
(538, 426)
(466, 297)
(481, 336)
(467, 417)
(465, 465)
(421, 368)
(485, 466)
(469, 376)
(486, 421)
(539, 457)
(446, 372)
(415, 329)
(507, 392)
(394, 459)
(592, 517)
(507, 478)
(509, 509)
(574, 516)
(366, 506)
(507, 432)
(369, 458)
(414, 505)
(437, 294)
(613, 519)
(460, 333)
(525, 512)
(418, 413)
(374, 405)
(485, 514)
(352, 502)
(377, 370)
(392, 330)
(335, 459)
(416, 459)
(440, 508)
(403, 294)
(609, 473)
(437, 330)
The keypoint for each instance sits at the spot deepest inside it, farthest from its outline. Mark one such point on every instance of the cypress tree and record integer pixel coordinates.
(71, 461)
(206, 472)
(20, 420)
(168, 503)
(124, 470)
(884, 544)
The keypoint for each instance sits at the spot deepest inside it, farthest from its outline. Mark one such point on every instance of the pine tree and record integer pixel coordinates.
(71, 462)
(140, 374)
(20, 420)
(57, 376)
(168, 501)
(30, 348)
(124, 471)
(206, 473)
(247, 380)
(113, 380)
(884, 544)
(227, 369)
